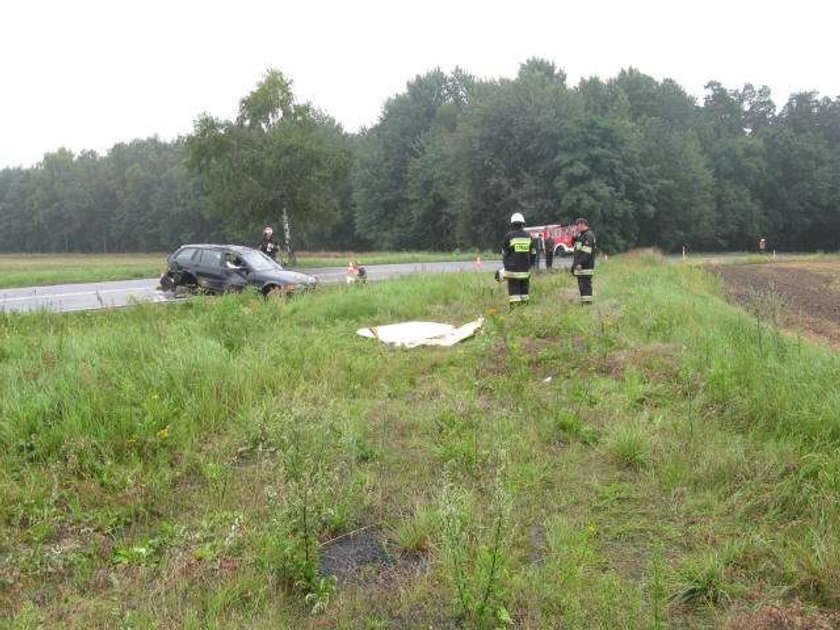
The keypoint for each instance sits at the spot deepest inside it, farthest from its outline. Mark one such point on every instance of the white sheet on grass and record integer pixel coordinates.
(412, 334)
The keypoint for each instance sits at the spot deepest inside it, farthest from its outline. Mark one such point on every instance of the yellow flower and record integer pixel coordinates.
(163, 433)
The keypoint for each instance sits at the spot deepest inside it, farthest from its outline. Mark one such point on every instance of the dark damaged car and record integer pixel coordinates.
(230, 268)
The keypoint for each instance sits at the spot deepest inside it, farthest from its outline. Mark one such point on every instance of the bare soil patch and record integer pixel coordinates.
(346, 556)
(810, 291)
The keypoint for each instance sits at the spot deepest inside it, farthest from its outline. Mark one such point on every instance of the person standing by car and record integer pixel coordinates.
(536, 251)
(268, 245)
(549, 251)
(517, 249)
(583, 264)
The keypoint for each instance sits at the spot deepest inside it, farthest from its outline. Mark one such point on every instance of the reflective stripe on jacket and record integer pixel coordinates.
(516, 252)
(584, 245)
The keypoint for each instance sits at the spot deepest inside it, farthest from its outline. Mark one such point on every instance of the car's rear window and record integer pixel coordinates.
(184, 255)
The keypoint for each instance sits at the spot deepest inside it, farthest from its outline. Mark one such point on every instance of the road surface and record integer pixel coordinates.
(97, 295)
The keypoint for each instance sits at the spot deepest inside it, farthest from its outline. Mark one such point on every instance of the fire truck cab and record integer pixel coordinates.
(563, 236)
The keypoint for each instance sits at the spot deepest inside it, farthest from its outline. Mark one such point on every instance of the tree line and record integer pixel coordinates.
(446, 164)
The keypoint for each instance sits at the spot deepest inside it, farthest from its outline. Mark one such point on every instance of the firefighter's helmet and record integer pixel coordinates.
(517, 217)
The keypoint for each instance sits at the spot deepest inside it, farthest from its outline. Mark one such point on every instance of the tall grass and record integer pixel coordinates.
(661, 458)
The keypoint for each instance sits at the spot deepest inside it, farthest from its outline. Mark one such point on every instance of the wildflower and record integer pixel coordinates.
(163, 434)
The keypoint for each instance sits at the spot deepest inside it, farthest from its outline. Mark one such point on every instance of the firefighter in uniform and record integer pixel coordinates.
(583, 263)
(517, 250)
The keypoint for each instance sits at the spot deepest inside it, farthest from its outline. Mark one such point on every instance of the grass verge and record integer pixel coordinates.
(660, 459)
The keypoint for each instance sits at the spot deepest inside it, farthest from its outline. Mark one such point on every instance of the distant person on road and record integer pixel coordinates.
(549, 251)
(268, 245)
(517, 250)
(583, 263)
(762, 246)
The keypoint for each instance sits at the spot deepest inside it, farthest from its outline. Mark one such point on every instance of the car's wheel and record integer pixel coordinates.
(166, 283)
(276, 292)
(187, 280)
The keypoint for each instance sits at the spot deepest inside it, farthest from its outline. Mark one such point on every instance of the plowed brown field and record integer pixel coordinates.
(809, 290)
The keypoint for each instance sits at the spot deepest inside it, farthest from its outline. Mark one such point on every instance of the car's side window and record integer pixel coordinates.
(211, 258)
(185, 254)
(232, 260)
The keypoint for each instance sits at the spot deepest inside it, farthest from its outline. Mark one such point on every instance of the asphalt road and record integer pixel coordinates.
(98, 295)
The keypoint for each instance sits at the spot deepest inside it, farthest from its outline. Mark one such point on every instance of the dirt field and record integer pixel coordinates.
(809, 291)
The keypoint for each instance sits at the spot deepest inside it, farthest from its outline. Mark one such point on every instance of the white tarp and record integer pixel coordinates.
(412, 334)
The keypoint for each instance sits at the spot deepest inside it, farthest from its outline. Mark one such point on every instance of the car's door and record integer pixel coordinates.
(208, 270)
(234, 271)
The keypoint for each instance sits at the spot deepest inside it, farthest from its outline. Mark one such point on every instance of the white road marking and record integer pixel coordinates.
(50, 296)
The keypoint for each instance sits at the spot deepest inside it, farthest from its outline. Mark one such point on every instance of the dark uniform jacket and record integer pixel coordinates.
(269, 247)
(549, 247)
(584, 244)
(516, 254)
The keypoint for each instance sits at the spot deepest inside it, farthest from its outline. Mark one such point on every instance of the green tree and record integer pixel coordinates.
(509, 150)
(681, 189)
(403, 190)
(601, 178)
(278, 160)
(799, 187)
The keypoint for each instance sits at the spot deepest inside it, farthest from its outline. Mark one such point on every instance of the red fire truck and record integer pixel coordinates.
(563, 236)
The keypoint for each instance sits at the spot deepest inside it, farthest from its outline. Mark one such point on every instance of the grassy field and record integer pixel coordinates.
(661, 459)
(29, 270)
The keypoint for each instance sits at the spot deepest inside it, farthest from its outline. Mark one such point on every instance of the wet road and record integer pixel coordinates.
(97, 295)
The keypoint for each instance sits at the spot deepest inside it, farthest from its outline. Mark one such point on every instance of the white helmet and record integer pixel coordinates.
(517, 217)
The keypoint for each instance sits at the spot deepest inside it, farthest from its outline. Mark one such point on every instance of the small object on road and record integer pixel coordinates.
(355, 273)
(413, 334)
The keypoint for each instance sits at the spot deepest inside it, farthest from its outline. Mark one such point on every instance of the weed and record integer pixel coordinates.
(476, 554)
(702, 579)
(561, 426)
(656, 587)
(768, 308)
(417, 533)
(630, 445)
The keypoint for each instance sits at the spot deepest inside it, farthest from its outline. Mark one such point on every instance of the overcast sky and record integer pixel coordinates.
(87, 74)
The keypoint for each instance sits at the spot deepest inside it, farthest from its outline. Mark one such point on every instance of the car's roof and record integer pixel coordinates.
(216, 246)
